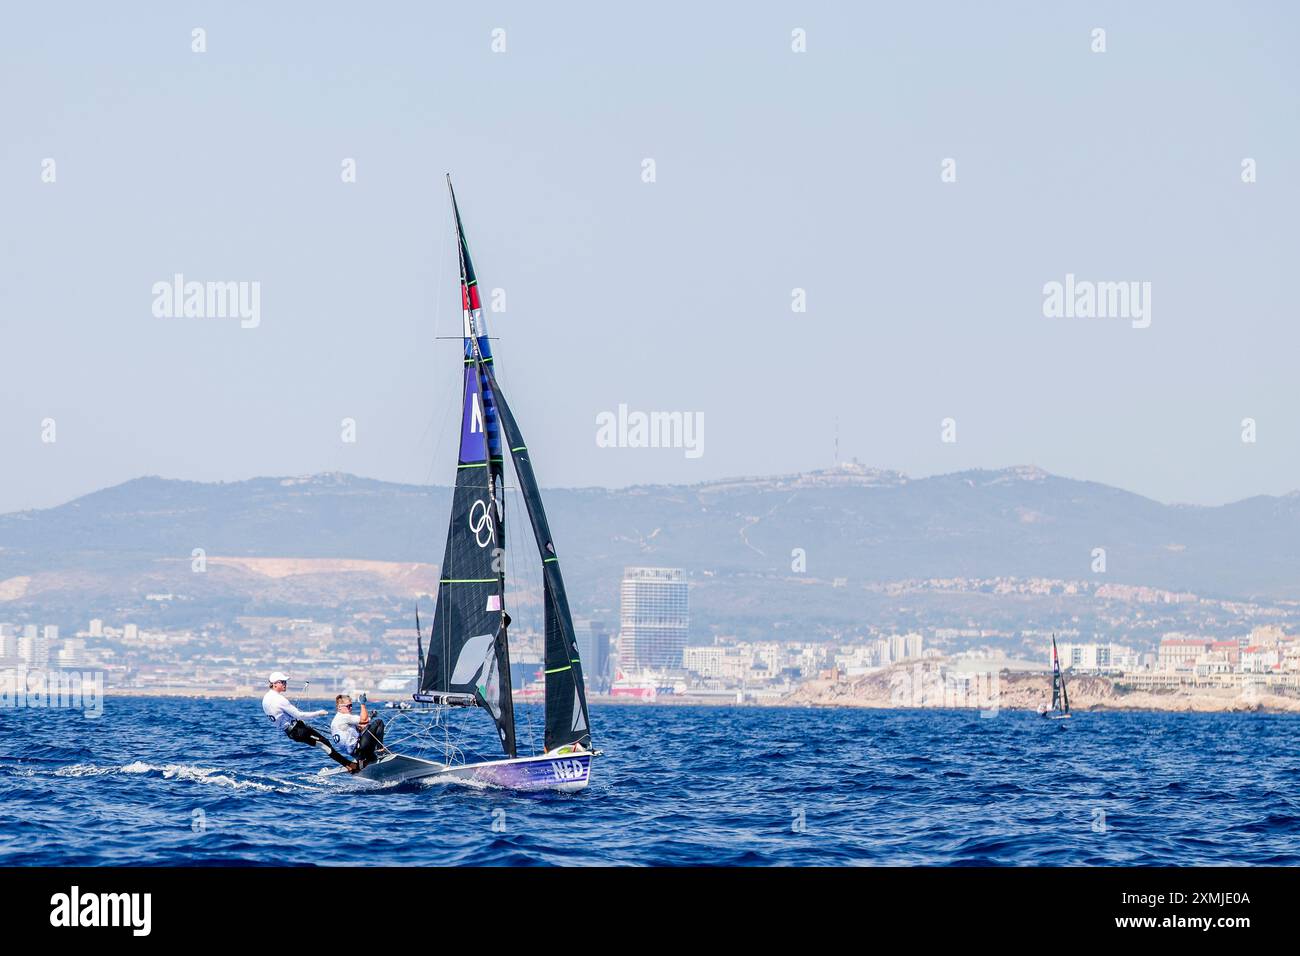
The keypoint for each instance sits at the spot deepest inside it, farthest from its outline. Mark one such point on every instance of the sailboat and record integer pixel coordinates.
(1060, 709)
(467, 662)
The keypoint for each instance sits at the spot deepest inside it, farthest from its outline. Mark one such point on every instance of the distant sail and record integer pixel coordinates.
(1060, 700)
(419, 648)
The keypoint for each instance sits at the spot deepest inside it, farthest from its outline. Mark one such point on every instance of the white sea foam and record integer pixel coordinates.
(84, 770)
(205, 775)
(212, 775)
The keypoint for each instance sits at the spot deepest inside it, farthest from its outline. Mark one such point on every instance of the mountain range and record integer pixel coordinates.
(742, 541)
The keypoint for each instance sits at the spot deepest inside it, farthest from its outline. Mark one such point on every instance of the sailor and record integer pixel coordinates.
(358, 737)
(293, 721)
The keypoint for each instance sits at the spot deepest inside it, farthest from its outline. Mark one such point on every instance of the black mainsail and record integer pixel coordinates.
(1060, 700)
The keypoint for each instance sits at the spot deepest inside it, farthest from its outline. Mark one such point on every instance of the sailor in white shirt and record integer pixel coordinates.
(293, 722)
(356, 736)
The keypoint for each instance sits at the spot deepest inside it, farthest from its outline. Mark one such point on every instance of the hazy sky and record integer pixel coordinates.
(775, 170)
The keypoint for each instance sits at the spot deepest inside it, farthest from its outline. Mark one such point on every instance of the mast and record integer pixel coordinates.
(478, 354)
(468, 649)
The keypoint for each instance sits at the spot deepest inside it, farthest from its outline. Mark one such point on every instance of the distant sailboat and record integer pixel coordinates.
(467, 663)
(1060, 709)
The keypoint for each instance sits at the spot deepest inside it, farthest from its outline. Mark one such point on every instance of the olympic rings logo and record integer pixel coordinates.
(480, 522)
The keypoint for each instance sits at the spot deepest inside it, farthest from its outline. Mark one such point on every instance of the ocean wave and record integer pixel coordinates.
(84, 770)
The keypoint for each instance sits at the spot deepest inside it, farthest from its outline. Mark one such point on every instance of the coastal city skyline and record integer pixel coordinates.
(650, 657)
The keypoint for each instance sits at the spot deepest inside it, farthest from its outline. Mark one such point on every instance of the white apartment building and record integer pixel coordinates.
(1258, 659)
(654, 618)
(707, 662)
(72, 654)
(897, 647)
(856, 658)
(1096, 657)
(1179, 653)
(33, 650)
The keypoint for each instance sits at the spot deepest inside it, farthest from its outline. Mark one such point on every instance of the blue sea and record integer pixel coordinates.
(178, 781)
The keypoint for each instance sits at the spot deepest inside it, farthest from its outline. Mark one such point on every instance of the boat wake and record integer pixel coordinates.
(213, 776)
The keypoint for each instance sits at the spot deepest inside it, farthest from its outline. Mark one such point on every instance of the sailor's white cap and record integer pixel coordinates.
(277, 676)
